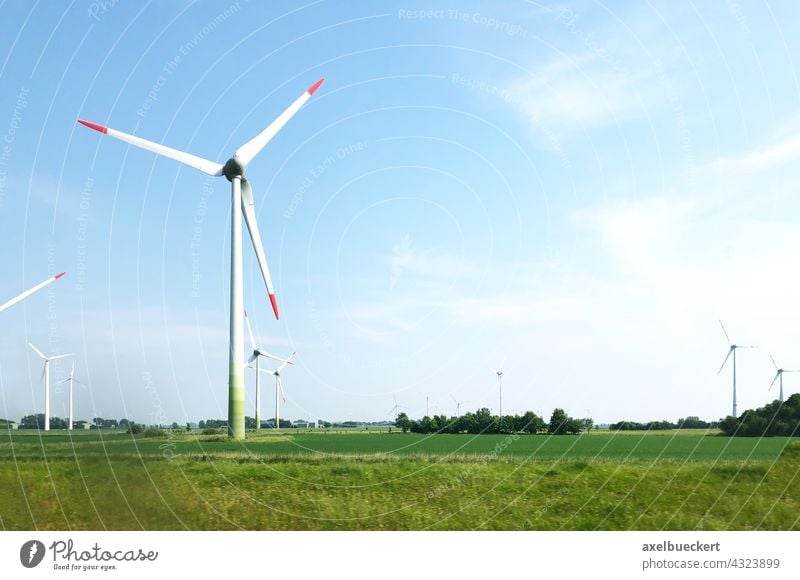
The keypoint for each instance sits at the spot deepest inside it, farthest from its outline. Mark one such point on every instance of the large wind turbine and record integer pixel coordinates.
(33, 290)
(779, 377)
(397, 406)
(241, 203)
(731, 351)
(46, 377)
(71, 379)
(255, 357)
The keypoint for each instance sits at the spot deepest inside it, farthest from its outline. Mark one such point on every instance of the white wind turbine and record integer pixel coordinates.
(458, 405)
(779, 377)
(241, 203)
(396, 407)
(499, 372)
(255, 357)
(731, 350)
(279, 388)
(46, 377)
(71, 379)
(33, 290)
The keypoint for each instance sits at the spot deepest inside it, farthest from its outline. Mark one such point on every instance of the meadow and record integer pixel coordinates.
(376, 480)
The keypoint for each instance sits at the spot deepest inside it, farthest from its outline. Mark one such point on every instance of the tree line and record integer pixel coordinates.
(774, 419)
(483, 421)
(691, 422)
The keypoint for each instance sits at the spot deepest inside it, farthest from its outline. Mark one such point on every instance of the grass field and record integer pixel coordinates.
(366, 480)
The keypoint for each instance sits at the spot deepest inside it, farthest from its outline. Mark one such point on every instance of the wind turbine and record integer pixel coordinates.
(279, 388)
(458, 405)
(241, 203)
(779, 377)
(71, 379)
(499, 372)
(731, 350)
(255, 357)
(396, 407)
(33, 290)
(46, 377)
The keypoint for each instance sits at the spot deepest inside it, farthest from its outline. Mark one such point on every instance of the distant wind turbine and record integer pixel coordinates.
(396, 407)
(779, 377)
(46, 376)
(242, 204)
(71, 379)
(499, 372)
(31, 291)
(458, 405)
(279, 388)
(732, 351)
(255, 357)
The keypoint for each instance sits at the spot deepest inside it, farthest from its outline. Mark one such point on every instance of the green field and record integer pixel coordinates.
(371, 480)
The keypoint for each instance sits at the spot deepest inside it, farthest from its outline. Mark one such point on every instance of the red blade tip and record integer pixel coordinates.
(274, 305)
(94, 126)
(59, 275)
(315, 86)
(245, 312)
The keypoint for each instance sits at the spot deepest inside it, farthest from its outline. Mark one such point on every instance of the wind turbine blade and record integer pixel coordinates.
(252, 358)
(777, 375)
(44, 370)
(725, 332)
(773, 361)
(730, 350)
(33, 290)
(280, 386)
(59, 356)
(37, 351)
(286, 362)
(204, 165)
(252, 338)
(273, 357)
(454, 399)
(745, 346)
(249, 150)
(249, 211)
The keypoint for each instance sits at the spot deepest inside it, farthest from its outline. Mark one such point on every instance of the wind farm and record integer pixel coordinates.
(503, 269)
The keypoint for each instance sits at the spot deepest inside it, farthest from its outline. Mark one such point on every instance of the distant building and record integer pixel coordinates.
(8, 424)
(81, 425)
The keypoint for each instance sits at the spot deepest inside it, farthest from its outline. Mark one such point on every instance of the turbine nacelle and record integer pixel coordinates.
(233, 168)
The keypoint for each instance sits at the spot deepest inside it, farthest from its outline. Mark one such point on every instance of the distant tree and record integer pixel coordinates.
(201, 425)
(123, 423)
(587, 424)
(174, 425)
(32, 421)
(402, 422)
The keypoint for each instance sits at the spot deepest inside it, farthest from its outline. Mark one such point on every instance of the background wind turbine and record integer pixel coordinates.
(71, 379)
(396, 407)
(279, 388)
(499, 372)
(241, 203)
(458, 405)
(33, 290)
(46, 377)
(731, 351)
(255, 357)
(779, 377)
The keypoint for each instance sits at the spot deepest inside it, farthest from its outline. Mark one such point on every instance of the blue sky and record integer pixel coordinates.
(577, 189)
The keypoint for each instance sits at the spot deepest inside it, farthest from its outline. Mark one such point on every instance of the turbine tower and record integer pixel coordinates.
(31, 291)
(731, 351)
(46, 377)
(779, 377)
(255, 357)
(241, 204)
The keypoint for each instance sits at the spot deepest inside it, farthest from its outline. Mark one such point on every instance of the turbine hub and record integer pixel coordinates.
(233, 168)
